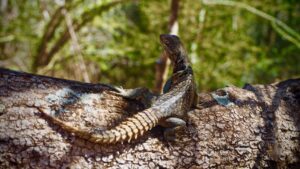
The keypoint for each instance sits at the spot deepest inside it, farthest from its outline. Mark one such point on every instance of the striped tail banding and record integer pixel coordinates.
(127, 130)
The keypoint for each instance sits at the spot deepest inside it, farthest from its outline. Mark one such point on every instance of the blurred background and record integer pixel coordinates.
(117, 41)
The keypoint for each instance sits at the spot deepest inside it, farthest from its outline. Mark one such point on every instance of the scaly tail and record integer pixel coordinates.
(129, 129)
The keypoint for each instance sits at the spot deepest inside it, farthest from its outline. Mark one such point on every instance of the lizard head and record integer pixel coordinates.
(175, 51)
(172, 45)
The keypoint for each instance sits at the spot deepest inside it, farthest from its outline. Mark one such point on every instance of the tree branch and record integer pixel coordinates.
(44, 57)
(40, 58)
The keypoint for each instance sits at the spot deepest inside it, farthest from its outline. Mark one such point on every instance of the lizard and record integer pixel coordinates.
(168, 110)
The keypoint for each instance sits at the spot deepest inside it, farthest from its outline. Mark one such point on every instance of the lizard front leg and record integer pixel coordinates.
(174, 127)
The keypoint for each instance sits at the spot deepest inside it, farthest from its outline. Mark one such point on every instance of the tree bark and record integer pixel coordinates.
(254, 127)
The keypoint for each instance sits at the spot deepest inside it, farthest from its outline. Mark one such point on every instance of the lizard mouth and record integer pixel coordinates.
(164, 39)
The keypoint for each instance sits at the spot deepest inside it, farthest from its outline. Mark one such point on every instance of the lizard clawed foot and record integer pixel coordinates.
(174, 128)
(171, 134)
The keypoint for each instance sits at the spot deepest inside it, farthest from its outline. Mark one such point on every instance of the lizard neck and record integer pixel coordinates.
(181, 63)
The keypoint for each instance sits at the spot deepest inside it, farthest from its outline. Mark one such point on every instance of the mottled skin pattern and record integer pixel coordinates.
(169, 110)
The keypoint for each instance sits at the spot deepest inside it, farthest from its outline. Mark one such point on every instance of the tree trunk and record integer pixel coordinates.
(163, 63)
(254, 127)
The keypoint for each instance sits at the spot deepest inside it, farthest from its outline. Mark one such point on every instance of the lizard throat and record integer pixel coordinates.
(180, 64)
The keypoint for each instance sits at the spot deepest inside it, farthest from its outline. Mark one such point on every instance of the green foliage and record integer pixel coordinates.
(227, 44)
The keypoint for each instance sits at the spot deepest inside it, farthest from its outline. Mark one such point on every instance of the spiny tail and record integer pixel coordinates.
(129, 129)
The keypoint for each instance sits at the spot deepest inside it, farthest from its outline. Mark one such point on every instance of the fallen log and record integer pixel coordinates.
(257, 126)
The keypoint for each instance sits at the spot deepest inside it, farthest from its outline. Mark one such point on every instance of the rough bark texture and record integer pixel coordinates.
(258, 127)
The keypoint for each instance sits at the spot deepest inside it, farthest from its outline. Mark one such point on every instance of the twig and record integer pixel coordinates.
(283, 29)
(76, 46)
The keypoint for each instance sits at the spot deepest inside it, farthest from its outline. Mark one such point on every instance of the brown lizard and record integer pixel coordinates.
(169, 110)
